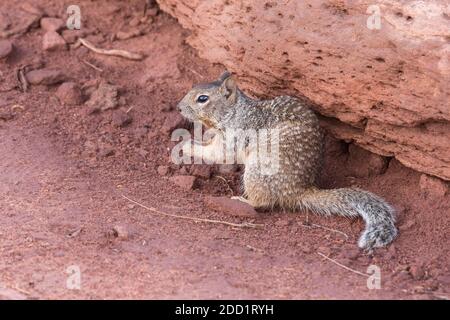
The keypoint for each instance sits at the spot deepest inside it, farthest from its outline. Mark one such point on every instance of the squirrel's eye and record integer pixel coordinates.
(202, 98)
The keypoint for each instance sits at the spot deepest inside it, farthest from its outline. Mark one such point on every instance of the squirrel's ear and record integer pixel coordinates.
(224, 76)
(229, 88)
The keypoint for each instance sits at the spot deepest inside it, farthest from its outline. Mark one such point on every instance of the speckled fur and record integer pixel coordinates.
(294, 186)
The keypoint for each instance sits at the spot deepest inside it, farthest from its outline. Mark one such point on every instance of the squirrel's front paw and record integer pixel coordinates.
(377, 236)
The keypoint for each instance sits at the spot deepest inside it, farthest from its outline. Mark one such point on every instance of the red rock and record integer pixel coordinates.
(71, 36)
(33, 9)
(185, 182)
(52, 24)
(52, 41)
(124, 35)
(163, 170)
(105, 97)
(433, 187)
(231, 206)
(367, 98)
(362, 163)
(121, 119)
(135, 21)
(45, 76)
(6, 48)
(69, 93)
(121, 232)
(417, 272)
(105, 151)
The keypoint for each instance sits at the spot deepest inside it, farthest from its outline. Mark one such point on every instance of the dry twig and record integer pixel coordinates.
(341, 265)
(91, 65)
(239, 225)
(111, 52)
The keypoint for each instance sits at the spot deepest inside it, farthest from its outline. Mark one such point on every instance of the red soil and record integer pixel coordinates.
(63, 172)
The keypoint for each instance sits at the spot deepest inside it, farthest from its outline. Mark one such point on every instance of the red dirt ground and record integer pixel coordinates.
(60, 192)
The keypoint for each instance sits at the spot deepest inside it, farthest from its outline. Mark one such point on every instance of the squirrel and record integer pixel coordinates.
(221, 105)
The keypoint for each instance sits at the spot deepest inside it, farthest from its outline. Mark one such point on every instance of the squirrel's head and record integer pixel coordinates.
(209, 102)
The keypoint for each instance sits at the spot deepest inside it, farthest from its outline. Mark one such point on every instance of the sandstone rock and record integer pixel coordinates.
(6, 48)
(163, 170)
(432, 187)
(105, 97)
(362, 163)
(121, 232)
(231, 206)
(185, 182)
(45, 76)
(121, 118)
(417, 271)
(69, 93)
(388, 88)
(124, 35)
(52, 24)
(135, 21)
(5, 21)
(71, 36)
(52, 41)
(105, 151)
(33, 9)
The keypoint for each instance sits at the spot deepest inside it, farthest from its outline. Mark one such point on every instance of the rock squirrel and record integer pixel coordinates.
(222, 105)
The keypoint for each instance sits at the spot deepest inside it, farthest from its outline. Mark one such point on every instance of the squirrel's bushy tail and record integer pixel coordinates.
(352, 202)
